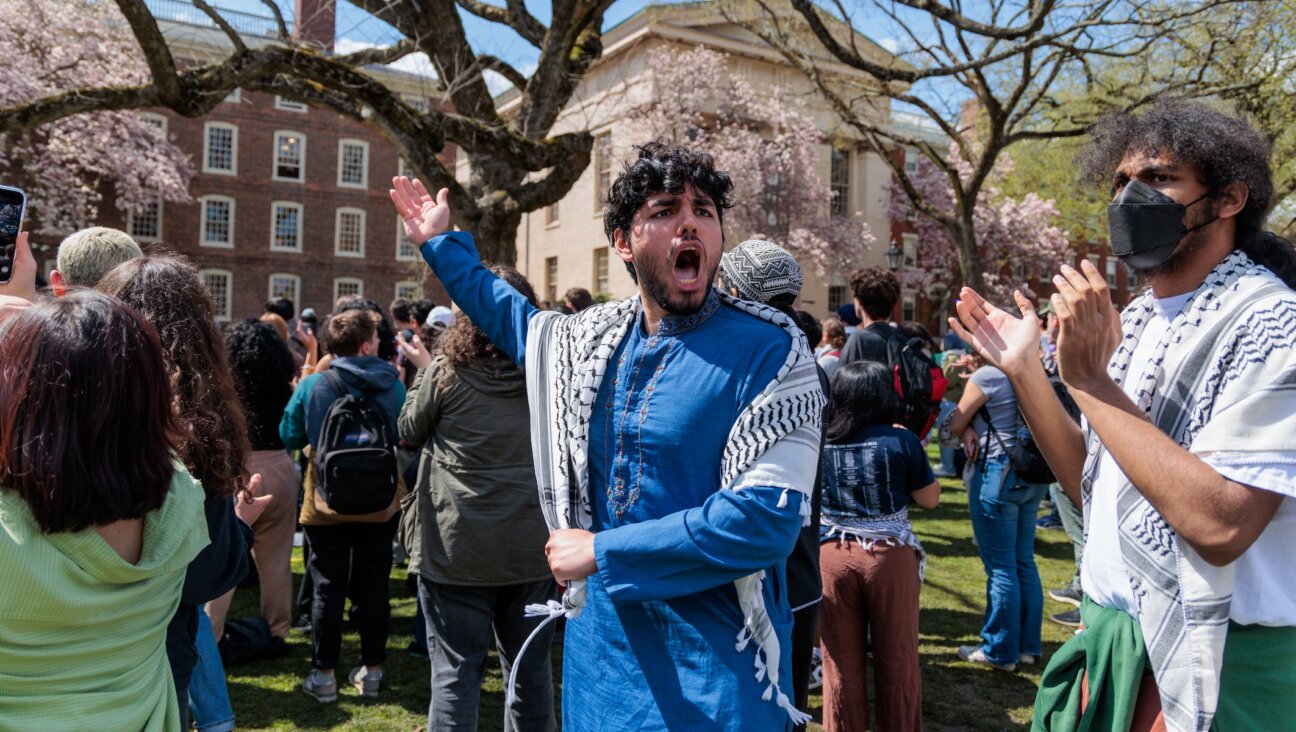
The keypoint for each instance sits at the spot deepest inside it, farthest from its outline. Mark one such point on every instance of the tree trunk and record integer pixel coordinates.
(970, 258)
(496, 234)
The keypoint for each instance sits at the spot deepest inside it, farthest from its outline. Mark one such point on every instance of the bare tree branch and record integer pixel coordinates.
(156, 51)
(279, 19)
(497, 65)
(235, 39)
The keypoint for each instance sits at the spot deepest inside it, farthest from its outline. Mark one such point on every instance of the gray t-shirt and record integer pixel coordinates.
(1001, 405)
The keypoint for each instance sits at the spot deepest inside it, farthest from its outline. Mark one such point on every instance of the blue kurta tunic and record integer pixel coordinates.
(655, 646)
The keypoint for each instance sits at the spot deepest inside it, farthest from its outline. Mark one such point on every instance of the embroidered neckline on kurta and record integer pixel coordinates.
(673, 325)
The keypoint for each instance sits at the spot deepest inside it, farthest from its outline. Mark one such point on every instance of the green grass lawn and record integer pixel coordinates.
(956, 695)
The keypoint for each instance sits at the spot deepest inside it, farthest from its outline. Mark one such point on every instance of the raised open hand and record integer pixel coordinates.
(1004, 340)
(422, 216)
(1089, 325)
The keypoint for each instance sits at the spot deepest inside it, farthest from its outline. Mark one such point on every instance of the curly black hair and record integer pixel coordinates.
(662, 166)
(1221, 148)
(262, 364)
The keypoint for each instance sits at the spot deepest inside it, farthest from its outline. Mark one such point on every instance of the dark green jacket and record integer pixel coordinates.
(476, 517)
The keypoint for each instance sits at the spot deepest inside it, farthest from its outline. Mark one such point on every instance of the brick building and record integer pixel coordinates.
(288, 200)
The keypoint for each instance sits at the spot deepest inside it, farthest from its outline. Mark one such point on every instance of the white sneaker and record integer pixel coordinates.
(816, 670)
(975, 654)
(322, 688)
(365, 681)
(1025, 659)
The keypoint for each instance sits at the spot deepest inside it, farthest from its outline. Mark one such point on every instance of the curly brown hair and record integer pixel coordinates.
(877, 290)
(168, 292)
(464, 343)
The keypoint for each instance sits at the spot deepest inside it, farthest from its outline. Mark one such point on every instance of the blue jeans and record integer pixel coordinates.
(208, 694)
(1003, 512)
(947, 466)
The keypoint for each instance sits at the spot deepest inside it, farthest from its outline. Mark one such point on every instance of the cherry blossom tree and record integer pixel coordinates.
(1011, 233)
(768, 144)
(50, 46)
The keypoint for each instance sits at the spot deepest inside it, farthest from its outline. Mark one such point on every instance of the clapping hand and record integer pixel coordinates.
(422, 216)
(1006, 341)
(1089, 326)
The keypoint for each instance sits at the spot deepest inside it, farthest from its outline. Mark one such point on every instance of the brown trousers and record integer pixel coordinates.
(272, 543)
(870, 589)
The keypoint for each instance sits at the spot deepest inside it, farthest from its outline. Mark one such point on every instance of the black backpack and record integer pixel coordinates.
(355, 460)
(1026, 458)
(920, 383)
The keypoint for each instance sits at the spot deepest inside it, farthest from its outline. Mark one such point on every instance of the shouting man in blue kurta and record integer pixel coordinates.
(676, 436)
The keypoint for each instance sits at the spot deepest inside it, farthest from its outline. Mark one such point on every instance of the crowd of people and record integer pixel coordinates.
(710, 487)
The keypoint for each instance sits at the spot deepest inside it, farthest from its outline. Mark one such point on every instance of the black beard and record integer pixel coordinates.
(1192, 242)
(655, 285)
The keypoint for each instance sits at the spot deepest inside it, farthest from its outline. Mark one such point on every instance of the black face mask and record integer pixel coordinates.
(1145, 226)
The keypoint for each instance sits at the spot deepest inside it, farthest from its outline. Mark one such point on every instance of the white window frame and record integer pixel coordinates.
(158, 119)
(908, 247)
(337, 231)
(910, 160)
(602, 273)
(403, 241)
(1111, 273)
(274, 225)
(840, 205)
(416, 294)
(130, 224)
(338, 281)
(296, 279)
(301, 164)
(290, 105)
(364, 171)
(908, 305)
(416, 102)
(206, 164)
(202, 222)
(229, 293)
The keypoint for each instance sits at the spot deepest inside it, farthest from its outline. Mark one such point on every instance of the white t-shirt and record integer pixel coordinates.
(1263, 593)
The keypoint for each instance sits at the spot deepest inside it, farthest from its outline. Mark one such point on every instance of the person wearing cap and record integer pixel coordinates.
(764, 272)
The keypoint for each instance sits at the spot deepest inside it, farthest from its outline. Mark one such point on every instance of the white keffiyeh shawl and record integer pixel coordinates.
(774, 442)
(1221, 382)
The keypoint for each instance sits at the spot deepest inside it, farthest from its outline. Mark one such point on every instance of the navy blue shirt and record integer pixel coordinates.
(873, 474)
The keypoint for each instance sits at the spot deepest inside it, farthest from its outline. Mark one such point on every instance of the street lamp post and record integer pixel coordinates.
(894, 257)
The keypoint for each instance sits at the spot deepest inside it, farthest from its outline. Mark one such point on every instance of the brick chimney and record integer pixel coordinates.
(316, 22)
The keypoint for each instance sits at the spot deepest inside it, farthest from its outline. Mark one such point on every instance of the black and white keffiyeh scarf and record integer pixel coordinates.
(1221, 382)
(774, 442)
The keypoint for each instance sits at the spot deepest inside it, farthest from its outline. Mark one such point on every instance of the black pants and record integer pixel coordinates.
(805, 624)
(359, 556)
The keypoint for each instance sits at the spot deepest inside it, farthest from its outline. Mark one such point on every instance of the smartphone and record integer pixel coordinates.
(407, 335)
(13, 204)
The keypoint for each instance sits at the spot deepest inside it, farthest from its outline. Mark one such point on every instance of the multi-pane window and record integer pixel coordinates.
(405, 251)
(220, 148)
(289, 105)
(217, 222)
(551, 214)
(286, 285)
(1111, 273)
(839, 180)
(910, 160)
(350, 237)
(220, 285)
(910, 247)
(1019, 272)
(290, 156)
(156, 120)
(353, 163)
(909, 306)
(409, 290)
(418, 104)
(285, 226)
(146, 223)
(604, 161)
(836, 297)
(551, 279)
(601, 269)
(1094, 260)
(347, 287)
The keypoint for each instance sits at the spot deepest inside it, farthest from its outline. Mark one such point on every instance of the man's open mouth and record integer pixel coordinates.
(688, 265)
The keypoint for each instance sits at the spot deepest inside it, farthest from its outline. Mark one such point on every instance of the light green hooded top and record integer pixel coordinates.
(83, 631)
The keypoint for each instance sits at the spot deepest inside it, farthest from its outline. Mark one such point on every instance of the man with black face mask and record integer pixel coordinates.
(1186, 460)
